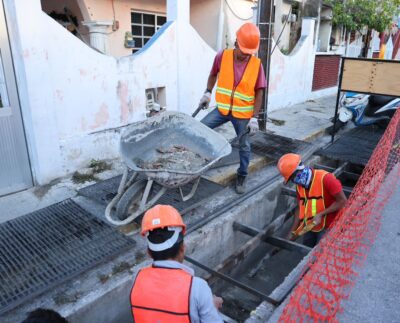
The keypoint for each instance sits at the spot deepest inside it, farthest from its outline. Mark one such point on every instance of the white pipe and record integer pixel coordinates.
(221, 21)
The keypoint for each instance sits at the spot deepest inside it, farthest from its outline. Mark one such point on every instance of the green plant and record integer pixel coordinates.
(357, 14)
(99, 166)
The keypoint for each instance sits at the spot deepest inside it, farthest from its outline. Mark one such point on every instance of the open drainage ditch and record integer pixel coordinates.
(260, 263)
(237, 243)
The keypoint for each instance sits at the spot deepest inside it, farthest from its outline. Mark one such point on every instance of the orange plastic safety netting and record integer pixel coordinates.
(332, 268)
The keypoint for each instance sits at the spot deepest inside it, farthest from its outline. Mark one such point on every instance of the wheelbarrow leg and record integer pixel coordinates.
(192, 192)
(143, 203)
(121, 189)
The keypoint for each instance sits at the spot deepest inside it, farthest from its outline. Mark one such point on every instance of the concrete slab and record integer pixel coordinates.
(304, 121)
(38, 197)
(375, 295)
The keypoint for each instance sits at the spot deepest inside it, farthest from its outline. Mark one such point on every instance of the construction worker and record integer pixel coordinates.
(239, 93)
(167, 291)
(320, 195)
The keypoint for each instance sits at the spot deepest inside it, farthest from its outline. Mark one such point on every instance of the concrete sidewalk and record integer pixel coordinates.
(375, 296)
(304, 121)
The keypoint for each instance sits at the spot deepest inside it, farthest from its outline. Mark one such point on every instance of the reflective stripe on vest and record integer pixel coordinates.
(312, 201)
(240, 99)
(161, 295)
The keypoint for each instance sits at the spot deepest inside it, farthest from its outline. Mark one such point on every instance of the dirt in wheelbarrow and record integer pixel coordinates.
(178, 158)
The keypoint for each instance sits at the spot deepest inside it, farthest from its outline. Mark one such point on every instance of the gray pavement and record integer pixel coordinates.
(303, 121)
(375, 296)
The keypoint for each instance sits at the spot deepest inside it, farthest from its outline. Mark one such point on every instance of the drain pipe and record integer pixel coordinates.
(265, 24)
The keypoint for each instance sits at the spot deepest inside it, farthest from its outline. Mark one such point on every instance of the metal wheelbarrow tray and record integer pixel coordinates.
(143, 140)
(171, 149)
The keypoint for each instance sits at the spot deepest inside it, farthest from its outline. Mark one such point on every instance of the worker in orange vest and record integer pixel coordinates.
(239, 93)
(320, 195)
(167, 291)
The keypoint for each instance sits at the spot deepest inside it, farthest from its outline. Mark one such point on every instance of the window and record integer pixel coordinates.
(144, 26)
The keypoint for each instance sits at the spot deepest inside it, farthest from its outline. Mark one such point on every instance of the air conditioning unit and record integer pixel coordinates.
(292, 18)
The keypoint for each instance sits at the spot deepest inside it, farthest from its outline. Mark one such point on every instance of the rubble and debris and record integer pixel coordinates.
(178, 158)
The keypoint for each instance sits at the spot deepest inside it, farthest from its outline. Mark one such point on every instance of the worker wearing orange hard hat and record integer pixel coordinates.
(320, 196)
(167, 291)
(239, 92)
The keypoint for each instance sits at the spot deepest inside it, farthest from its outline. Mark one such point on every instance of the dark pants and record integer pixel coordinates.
(215, 119)
(311, 239)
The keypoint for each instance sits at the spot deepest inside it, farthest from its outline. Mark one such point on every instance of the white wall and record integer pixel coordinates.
(204, 17)
(282, 8)
(291, 75)
(236, 14)
(77, 99)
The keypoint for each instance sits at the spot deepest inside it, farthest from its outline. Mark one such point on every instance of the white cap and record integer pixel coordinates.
(169, 243)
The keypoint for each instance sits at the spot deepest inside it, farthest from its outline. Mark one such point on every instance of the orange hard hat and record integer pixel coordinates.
(288, 164)
(248, 38)
(161, 216)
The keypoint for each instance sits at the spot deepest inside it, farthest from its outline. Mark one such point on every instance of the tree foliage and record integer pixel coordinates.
(357, 14)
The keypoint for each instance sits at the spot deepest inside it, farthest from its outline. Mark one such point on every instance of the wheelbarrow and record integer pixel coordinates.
(171, 149)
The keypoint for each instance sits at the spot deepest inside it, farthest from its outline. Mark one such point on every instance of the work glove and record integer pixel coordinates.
(205, 100)
(253, 126)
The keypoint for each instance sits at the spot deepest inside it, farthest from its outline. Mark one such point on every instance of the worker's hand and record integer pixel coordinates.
(253, 126)
(205, 100)
(317, 219)
(217, 302)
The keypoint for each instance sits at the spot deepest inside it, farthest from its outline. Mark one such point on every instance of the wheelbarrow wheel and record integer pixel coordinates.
(130, 200)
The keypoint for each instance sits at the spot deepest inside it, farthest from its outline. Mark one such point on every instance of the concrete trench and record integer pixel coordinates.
(102, 294)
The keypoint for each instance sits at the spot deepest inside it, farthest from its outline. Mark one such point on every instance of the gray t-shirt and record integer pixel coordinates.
(202, 308)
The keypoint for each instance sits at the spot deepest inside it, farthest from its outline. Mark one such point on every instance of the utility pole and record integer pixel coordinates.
(265, 23)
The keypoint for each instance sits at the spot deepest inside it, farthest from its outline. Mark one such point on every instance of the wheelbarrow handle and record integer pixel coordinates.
(236, 139)
(196, 112)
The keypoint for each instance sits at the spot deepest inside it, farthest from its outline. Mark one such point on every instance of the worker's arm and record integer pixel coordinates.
(212, 79)
(258, 101)
(203, 305)
(340, 202)
(295, 225)
(206, 98)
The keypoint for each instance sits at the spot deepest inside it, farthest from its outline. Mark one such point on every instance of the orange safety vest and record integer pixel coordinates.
(161, 295)
(312, 202)
(237, 100)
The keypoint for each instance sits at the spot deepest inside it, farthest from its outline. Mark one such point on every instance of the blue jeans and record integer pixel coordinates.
(215, 119)
(311, 239)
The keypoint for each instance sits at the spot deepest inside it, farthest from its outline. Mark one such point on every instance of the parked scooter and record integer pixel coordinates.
(365, 110)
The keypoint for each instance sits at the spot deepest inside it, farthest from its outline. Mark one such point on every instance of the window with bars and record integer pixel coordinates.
(144, 26)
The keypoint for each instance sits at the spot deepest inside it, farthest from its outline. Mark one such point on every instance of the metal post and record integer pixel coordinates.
(265, 23)
(338, 98)
(233, 281)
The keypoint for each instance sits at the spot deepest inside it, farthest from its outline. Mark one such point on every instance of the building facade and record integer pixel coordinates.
(69, 85)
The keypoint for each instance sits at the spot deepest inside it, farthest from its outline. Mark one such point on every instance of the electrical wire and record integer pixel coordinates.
(283, 28)
(235, 14)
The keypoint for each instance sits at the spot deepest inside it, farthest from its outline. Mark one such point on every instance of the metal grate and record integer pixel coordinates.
(45, 248)
(354, 146)
(104, 192)
(274, 146)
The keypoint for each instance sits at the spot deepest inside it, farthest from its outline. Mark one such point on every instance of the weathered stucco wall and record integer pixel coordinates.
(78, 99)
(291, 75)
